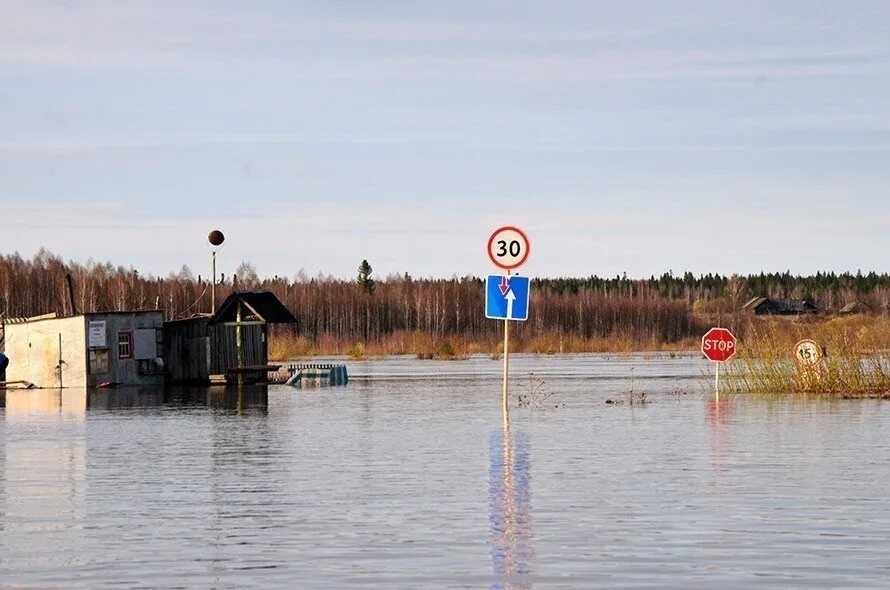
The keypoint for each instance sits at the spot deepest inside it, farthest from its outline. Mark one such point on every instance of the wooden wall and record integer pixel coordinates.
(186, 346)
(185, 351)
(224, 353)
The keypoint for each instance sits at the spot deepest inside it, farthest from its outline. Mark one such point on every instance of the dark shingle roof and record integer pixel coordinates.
(854, 306)
(258, 305)
(794, 305)
(781, 306)
(754, 302)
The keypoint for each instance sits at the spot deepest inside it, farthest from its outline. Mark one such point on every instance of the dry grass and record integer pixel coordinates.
(287, 346)
(857, 361)
(356, 352)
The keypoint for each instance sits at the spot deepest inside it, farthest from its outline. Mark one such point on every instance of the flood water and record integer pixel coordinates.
(410, 477)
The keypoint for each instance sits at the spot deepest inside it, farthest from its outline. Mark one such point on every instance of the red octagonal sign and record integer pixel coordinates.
(718, 345)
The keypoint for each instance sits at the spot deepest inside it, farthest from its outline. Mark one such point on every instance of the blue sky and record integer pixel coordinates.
(623, 136)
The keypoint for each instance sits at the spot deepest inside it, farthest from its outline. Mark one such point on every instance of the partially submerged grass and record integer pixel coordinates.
(535, 394)
(857, 360)
(857, 363)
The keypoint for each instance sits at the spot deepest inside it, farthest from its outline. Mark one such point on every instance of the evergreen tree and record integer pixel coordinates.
(365, 282)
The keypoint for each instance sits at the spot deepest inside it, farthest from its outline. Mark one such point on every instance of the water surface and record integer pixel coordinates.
(410, 477)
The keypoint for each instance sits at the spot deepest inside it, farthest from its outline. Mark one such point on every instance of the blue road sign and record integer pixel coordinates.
(506, 298)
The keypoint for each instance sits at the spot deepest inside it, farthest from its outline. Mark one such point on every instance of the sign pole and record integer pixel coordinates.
(508, 249)
(717, 380)
(506, 360)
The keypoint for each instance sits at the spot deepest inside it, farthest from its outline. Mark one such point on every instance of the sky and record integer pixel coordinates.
(624, 137)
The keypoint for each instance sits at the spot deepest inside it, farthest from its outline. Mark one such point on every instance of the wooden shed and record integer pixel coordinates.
(202, 346)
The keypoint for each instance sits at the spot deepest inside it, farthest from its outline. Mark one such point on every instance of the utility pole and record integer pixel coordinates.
(216, 239)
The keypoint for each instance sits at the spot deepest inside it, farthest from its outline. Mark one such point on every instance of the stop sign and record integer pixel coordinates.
(718, 345)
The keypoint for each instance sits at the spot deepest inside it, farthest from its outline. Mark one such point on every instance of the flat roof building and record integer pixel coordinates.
(89, 350)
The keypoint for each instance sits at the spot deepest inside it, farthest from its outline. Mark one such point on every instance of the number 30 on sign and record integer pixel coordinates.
(508, 248)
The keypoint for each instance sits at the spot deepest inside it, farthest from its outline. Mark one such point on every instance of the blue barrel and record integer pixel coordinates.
(4, 362)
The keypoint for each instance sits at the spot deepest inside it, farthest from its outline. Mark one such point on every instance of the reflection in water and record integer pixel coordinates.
(57, 480)
(509, 501)
(79, 401)
(719, 416)
(43, 478)
(719, 410)
(45, 401)
(229, 397)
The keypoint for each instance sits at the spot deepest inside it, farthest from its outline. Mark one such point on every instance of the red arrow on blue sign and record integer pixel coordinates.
(505, 285)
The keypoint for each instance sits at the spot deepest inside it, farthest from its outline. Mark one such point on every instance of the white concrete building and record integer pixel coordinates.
(108, 348)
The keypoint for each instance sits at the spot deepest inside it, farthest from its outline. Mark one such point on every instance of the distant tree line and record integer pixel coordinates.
(658, 309)
(828, 290)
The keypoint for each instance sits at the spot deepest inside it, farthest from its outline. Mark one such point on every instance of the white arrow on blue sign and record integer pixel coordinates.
(506, 298)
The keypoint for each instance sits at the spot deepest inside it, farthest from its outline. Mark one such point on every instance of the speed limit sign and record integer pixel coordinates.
(807, 353)
(508, 247)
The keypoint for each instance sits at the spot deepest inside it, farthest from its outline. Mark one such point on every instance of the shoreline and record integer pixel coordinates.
(644, 354)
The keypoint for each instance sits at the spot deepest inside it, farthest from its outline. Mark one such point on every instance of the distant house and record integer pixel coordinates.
(769, 306)
(855, 307)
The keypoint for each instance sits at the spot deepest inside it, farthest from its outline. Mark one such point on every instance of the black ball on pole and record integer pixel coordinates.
(216, 237)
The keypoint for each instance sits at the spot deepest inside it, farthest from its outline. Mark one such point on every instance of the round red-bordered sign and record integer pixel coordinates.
(508, 247)
(807, 353)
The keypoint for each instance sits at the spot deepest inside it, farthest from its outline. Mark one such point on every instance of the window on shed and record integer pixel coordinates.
(125, 345)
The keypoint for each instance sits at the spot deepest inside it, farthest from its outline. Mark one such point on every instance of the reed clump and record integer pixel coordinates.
(357, 352)
(290, 346)
(855, 361)
(448, 350)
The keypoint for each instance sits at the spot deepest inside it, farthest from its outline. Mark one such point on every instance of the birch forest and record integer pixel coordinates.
(662, 309)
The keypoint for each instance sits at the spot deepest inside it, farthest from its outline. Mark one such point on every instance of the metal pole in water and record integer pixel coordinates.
(717, 380)
(506, 362)
(506, 359)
